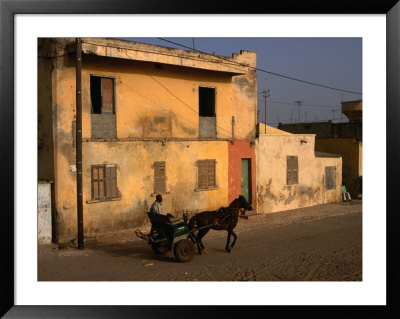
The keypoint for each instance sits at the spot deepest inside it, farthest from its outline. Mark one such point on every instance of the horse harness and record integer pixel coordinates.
(223, 210)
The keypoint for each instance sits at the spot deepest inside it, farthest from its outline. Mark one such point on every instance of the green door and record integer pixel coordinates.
(246, 189)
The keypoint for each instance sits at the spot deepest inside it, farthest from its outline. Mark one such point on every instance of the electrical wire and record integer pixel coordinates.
(311, 105)
(265, 71)
(165, 109)
(187, 105)
(183, 102)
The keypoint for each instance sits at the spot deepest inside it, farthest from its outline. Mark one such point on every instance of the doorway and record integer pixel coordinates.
(246, 179)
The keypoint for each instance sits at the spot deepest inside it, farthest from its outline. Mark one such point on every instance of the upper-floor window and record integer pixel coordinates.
(102, 95)
(207, 116)
(102, 98)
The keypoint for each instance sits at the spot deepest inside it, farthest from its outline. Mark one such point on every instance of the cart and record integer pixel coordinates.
(163, 233)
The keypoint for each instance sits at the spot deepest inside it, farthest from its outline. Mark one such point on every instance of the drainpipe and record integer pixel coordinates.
(79, 141)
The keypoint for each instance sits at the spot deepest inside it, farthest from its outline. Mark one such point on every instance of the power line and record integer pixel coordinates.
(265, 71)
(184, 103)
(313, 105)
(177, 97)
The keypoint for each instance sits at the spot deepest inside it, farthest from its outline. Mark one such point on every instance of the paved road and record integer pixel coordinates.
(322, 243)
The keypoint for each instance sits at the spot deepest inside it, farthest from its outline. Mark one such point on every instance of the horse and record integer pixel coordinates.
(225, 218)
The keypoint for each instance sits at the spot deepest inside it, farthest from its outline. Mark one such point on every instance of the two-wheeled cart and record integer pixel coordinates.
(163, 233)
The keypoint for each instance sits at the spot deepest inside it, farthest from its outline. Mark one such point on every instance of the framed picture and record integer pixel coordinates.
(117, 300)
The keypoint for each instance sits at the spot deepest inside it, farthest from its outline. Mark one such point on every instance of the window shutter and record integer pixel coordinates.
(107, 96)
(104, 181)
(206, 174)
(95, 182)
(113, 180)
(292, 170)
(202, 174)
(211, 173)
(159, 177)
(330, 177)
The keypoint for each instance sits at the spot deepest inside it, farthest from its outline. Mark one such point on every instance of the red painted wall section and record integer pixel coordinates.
(241, 149)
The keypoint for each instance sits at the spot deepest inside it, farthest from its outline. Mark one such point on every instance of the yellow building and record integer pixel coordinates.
(290, 174)
(155, 120)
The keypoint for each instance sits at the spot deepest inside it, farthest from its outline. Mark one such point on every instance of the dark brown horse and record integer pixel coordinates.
(224, 218)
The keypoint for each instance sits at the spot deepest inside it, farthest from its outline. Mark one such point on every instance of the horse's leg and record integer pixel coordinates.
(228, 239)
(200, 235)
(234, 238)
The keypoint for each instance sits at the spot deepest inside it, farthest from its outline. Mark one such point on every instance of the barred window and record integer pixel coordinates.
(330, 177)
(292, 170)
(159, 178)
(206, 174)
(104, 182)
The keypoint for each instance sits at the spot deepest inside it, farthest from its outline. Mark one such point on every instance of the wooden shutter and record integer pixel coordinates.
(97, 182)
(107, 96)
(104, 181)
(206, 174)
(330, 177)
(111, 181)
(211, 174)
(292, 170)
(159, 178)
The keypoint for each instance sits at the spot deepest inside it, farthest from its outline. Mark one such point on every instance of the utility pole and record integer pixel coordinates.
(79, 141)
(266, 95)
(299, 106)
(193, 43)
(333, 114)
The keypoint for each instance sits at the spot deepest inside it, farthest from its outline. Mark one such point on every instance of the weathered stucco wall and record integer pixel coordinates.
(273, 193)
(152, 101)
(351, 151)
(163, 101)
(135, 181)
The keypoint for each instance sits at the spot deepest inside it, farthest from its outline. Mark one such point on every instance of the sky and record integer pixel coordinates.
(332, 62)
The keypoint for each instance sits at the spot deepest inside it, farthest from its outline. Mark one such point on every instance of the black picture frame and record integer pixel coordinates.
(8, 10)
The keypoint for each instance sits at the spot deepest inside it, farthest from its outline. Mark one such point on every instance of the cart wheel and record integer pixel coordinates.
(159, 248)
(184, 250)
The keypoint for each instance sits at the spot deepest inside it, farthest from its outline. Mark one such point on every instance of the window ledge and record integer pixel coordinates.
(102, 200)
(206, 189)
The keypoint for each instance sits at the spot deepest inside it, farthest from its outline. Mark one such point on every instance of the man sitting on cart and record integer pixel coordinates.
(158, 227)
(156, 208)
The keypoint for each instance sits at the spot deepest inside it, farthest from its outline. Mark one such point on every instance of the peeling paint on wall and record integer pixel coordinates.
(272, 191)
